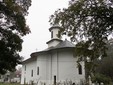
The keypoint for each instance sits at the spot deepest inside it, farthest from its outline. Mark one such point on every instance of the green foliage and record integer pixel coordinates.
(100, 78)
(12, 28)
(9, 84)
(105, 67)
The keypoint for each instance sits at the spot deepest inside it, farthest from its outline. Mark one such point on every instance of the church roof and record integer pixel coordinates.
(53, 40)
(55, 26)
(64, 44)
(61, 45)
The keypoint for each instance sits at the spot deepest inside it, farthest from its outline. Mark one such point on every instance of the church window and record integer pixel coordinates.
(31, 73)
(58, 35)
(79, 69)
(37, 70)
(51, 34)
(25, 67)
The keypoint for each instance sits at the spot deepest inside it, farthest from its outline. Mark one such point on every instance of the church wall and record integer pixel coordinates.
(62, 64)
(65, 67)
(59, 63)
(44, 63)
(27, 76)
(22, 74)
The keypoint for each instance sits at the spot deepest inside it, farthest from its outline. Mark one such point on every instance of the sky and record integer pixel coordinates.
(37, 20)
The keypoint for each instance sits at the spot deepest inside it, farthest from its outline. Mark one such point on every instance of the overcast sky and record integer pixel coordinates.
(37, 20)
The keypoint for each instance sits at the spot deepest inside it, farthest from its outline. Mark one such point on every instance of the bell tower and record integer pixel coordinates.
(55, 38)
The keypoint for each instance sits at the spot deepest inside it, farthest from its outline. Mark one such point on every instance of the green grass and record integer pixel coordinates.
(9, 84)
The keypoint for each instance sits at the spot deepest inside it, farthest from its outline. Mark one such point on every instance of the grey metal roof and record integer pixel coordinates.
(53, 40)
(29, 60)
(63, 44)
(55, 26)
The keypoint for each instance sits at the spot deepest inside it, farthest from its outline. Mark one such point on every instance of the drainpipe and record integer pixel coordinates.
(51, 66)
(57, 65)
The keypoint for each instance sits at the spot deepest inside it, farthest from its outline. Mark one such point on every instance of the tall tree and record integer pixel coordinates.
(12, 28)
(88, 23)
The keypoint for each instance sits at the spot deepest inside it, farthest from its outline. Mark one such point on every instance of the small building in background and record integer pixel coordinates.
(11, 77)
(56, 64)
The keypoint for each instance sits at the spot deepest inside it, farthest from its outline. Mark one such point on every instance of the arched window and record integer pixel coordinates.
(51, 34)
(31, 73)
(80, 69)
(37, 70)
(25, 67)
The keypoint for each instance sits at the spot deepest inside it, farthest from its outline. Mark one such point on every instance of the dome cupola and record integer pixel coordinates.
(55, 36)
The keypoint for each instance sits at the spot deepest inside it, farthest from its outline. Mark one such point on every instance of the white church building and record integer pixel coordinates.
(55, 64)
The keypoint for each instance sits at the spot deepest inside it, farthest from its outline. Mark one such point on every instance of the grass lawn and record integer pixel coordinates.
(9, 84)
